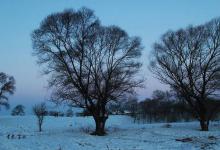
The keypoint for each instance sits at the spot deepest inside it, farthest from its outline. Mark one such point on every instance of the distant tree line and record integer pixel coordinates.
(162, 107)
(55, 113)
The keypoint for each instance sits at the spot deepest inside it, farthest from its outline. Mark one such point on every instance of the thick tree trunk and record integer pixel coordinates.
(200, 112)
(204, 124)
(203, 118)
(204, 121)
(100, 116)
(100, 126)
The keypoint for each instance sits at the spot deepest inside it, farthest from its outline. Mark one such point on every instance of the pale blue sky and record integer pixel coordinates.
(148, 19)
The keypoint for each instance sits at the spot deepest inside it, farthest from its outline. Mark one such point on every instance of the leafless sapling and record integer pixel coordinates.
(40, 111)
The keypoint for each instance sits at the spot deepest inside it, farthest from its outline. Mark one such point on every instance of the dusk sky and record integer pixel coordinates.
(148, 19)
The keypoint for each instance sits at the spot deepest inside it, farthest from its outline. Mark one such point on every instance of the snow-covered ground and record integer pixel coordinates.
(72, 134)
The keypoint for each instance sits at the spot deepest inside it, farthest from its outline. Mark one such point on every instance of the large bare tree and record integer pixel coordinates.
(7, 87)
(189, 61)
(89, 64)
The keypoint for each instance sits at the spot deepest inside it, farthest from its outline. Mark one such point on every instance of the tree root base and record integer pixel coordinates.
(98, 133)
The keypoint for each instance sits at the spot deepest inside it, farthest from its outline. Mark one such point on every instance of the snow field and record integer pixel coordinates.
(66, 133)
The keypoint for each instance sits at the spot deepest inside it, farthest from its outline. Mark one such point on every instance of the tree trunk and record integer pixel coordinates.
(204, 121)
(204, 124)
(100, 126)
(40, 127)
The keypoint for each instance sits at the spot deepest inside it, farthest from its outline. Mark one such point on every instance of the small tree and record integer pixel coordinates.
(18, 111)
(7, 87)
(40, 111)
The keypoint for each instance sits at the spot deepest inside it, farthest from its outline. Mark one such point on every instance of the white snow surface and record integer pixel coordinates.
(66, 133)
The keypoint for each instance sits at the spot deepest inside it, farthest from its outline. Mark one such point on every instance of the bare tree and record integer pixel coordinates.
(7, 87)
(40, 111)
(89, 64)
(189, 61)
